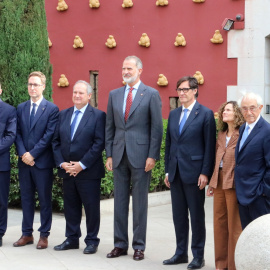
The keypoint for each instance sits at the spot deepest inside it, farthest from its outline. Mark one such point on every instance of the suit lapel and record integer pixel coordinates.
(233, 138)
(252, 134)
(67, 123)
(87, 114)
(138, 98)
(26, 114)
(41, 108)
(176, 120)
(193, 114)
(120, 103)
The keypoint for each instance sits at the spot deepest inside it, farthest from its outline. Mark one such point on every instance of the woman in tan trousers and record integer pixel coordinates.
(227, 225)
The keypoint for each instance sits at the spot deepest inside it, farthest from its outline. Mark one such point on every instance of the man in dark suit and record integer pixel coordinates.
(133, 140)
(189, 161)
(8, 122)
(252, 158)
(37, 120)
(78, 144)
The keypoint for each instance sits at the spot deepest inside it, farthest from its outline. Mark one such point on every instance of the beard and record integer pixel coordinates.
(131, 79)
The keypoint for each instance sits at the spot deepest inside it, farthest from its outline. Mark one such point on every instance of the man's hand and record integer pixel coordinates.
(75, 168)
(28, 159)
(149, 164)
(202, 181)
(108, 164)
(67, 167)
(166, 181)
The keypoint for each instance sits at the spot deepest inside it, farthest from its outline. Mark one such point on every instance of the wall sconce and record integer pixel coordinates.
(267, 111)
(227, 24)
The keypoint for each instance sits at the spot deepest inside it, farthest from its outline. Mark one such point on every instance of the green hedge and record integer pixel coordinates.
(106, 183)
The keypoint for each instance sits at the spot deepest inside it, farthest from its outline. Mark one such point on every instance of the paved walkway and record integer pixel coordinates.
(160, 244)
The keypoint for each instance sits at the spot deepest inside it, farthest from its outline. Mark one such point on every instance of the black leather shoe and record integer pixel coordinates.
(176, 259)
(67, 244)
(1, 242)
(196, 263)
(116, 252)
(90, 249)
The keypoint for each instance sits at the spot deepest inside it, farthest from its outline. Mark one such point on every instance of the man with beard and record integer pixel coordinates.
(133, 140)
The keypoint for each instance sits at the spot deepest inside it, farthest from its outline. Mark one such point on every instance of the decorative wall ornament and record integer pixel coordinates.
(162, 80)
(127, 4)
(63, 81)
(180, 40)
(198, 1)
(162, 3)
(217, 38)
(49, 42)
(144, 40)
(62, 6)
(77, 42)
(124, 83)
(199, 77)
(111, 43)
(94, 4)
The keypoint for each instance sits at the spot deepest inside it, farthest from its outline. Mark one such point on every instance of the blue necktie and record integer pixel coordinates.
(244, 137)
(73, 124)
(32, 115)
(183, 121)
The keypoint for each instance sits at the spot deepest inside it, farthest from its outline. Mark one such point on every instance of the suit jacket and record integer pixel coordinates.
(252, 171)
(227, 154)
(8, 125)
(86, 146)
(37, 139)
(194, 150)
(141, 135)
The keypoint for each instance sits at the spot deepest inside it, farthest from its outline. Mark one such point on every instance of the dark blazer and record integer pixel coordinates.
(227, 154)
(87, 144)
(252, 171)
(141, 135)
(194, 149)
(37, 139)
(8, 126)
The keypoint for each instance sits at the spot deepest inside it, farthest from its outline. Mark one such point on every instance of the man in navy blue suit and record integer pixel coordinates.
(78, 144)
(189, 161)
(252, 158)
(37, 119)
(8, 122)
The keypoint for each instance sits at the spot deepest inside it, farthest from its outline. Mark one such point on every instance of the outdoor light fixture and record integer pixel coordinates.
(227, 24)
(267, 109)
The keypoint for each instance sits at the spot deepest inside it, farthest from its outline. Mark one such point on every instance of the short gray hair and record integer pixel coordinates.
(138, 61)
(88, 86)
(251, 95)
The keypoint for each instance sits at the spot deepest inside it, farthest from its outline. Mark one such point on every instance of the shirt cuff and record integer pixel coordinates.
(83, 167)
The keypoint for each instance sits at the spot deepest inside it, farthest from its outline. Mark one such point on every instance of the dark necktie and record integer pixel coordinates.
(73, 124)
(183, 121)
(32, 115)
(128, 103)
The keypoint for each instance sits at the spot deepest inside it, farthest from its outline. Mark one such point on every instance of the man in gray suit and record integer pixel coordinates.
(133, 140)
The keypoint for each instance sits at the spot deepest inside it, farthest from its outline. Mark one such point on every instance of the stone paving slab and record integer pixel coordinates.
(160, 244)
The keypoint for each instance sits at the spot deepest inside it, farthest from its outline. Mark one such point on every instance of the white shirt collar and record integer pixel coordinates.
(190, 107)
(37, 102)
(82, 110)
(135, 86)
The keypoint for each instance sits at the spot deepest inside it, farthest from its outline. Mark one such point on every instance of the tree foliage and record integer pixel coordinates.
(23, 48)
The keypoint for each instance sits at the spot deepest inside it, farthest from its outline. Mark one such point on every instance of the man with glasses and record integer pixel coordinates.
(8, 121)
(37, 119)
(189, 161)
(252, 158)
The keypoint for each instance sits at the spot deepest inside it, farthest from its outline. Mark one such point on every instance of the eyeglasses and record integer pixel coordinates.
(184, 90)
(35, 85)
(252, 109)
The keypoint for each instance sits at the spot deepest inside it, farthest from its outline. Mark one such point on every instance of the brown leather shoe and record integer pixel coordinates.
(42, 243)
(116, 252)
(138, 255)
(24, 240)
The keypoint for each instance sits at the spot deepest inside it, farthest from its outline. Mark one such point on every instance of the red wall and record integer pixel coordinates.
(197, 22)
